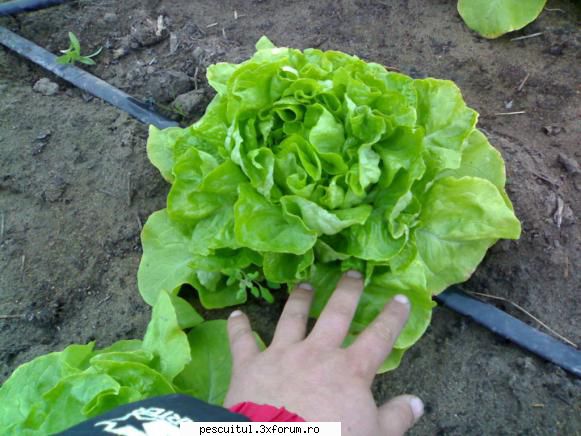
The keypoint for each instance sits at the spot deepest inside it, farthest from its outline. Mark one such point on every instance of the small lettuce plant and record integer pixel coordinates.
(58, 390)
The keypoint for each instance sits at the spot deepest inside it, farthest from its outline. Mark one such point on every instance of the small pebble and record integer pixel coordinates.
(43, 135)
(110, 17)
(569, 164)
(552, 130)
(173, 43)
(556, 50)
(44, 86)
(198, 54)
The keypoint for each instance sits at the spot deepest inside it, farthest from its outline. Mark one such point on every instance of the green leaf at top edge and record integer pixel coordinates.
(493, 18)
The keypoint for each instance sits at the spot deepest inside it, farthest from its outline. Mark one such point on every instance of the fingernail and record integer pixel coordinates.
(236, 313)
(417, 407)
(305, 286)
(354, 274)
(402, 299)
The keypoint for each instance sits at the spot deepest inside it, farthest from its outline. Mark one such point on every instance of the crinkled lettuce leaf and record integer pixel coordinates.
(56, 391)
(309, 163)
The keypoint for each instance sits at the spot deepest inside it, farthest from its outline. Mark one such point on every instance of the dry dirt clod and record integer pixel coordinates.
(526, 363)
(160, 26)
(149, 32)
(54, 189)
(189, 101)
(46, 87)
(165, 85)
(556, 50)
(199, 55)
(124, 48)
(552, 130)
(43, 135)
(173, 43)
(569, 164)
(41, 141)
(39, 147)
(110, 17)
(2, 226)
(558, 215)
(569, 217)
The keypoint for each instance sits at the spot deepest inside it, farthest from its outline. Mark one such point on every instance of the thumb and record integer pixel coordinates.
(399, 414)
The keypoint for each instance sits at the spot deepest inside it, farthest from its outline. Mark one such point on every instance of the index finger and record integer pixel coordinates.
(333, 324)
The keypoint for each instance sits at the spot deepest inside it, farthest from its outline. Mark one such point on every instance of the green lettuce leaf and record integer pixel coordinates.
(461, 219)
(261, 226)
(207, 375)
(165, 338)
(493, 18)
(164, 264)
(21, 396)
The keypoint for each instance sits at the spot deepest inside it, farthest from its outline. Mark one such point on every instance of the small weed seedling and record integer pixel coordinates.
(73, 53)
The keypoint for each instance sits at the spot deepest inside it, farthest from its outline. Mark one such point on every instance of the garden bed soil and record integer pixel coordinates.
(76, 186)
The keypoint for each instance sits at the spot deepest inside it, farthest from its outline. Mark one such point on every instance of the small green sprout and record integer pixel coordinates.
(73, 53)
(249, 282)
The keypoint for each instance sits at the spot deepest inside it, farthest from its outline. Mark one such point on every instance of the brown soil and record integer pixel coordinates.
(75, 183)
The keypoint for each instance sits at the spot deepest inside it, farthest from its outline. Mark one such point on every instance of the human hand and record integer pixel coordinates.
(313, 376)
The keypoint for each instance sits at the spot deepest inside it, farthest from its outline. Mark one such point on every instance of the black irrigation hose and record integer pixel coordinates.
(485, 314)
(512, 329)
(19, 6)
(83, 80)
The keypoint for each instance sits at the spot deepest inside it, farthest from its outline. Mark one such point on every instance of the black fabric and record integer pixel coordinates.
(155, 416)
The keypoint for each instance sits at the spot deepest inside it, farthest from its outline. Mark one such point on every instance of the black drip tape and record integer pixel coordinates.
(83, 80)
(453, 298)
(512, 329)
(19, 6)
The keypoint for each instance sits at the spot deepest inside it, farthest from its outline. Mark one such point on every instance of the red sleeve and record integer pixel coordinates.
(265, 413)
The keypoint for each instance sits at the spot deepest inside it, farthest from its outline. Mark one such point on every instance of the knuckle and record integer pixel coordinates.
(397, 312)
(239, 333)
(384, 331)
(342, 310)
(297, 315)
(302, 295)
(361, 367)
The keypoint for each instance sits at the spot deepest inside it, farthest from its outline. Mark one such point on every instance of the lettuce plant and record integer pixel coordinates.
(494, 18)
(58, 390)
(307, 164)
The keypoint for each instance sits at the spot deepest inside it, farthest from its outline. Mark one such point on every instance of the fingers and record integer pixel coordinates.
(333, 324)
(399, 414)
(374, 344)
(292, 325)
(242, 341)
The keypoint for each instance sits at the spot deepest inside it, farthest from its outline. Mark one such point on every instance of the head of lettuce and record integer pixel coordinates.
(310, 163)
